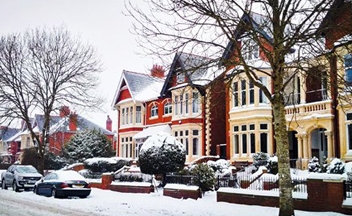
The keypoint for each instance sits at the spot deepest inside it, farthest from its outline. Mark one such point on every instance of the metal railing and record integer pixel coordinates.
(244, 182)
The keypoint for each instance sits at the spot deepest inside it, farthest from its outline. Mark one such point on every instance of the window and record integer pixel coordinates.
(252, 138)
(243, 92)
(251, 93)
(123, 116)
(154, 111)
(131, 115)
(138, 114)
(263, 137)
(195, 142)
(262, 97)
(186, 103)
(348, 68)
(180, 77)
(250, 49)
(181, 104)
(264, 142)
(190, 140)
(176, 105)
(195, 102)
(126, 120)
(349, 130)
(126, 147)
(182, 136)
(28, 141)
(244, 139)
(236, 144)
(195, 145)
(167, 108)
(235, 94)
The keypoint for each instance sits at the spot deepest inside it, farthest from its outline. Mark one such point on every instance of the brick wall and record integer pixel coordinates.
(182, 193)
(132, 188)
(324, 194)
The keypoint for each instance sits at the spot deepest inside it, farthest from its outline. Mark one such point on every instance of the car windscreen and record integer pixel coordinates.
(26, 169)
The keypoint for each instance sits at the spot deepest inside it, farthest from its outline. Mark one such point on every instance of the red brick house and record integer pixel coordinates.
(182, 104)
(62, 128)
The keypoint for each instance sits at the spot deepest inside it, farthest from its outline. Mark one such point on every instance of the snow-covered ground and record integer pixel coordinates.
(106, 202)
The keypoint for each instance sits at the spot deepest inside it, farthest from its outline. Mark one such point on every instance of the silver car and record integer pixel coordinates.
(20, 177)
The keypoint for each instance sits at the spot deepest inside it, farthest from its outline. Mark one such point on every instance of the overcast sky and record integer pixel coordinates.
(98, 22)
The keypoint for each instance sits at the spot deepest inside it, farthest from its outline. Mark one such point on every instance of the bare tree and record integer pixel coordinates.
(43, 70)
(288, 33)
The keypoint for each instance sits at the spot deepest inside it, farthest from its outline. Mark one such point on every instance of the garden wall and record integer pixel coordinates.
(132, 187)
(180, 191)
(325, 192)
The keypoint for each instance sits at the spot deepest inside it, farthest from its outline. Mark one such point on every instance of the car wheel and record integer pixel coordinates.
(35, 190)
(53, 193)
(3, 185)
(15, 187)
(83, 197)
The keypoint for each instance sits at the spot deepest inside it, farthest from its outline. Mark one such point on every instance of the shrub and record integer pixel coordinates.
(336, 167)
(260, 159)
(203, 176)
(130, 177)
(314, 165)
(161, 154)
(53, 161)
(272, 165)
(101, 165)
(30, 156)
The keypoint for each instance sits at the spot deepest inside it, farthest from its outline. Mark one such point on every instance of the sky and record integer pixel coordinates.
(99, 23)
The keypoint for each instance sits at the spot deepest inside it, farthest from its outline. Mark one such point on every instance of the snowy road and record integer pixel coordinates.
(18, 205)
(105, 202)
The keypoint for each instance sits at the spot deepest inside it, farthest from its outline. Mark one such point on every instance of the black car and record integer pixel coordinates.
(63, 184)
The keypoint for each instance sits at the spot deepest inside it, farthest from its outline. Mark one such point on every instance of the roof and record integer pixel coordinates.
(142, 87)
(147, 132)
(82, 124)
(6, 132)
(198, 69)
(38, 121)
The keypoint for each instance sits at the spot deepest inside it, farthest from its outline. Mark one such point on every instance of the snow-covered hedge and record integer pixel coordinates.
(161, 153)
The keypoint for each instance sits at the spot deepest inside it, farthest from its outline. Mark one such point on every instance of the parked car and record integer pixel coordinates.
(20, 177)
(63, 184)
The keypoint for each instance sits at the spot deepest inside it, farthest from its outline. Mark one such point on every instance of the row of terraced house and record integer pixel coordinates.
(234, 120)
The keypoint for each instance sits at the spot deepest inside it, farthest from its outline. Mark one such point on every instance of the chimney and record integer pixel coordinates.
(157, 71)
(64, 111)
(73, 122)
(108, 124)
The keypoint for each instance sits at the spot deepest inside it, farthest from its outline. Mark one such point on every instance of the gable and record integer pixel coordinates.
(124, 94)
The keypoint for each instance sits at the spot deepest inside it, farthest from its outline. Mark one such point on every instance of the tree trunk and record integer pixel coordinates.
(282, 144)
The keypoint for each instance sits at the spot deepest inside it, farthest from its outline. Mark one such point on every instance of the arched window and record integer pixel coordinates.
(167, 108)
(154, 111)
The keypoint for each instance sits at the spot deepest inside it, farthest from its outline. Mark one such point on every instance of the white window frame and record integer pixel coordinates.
(235, 97)
(250, 49)
(167, 108)
(195, 102)
(154, 111)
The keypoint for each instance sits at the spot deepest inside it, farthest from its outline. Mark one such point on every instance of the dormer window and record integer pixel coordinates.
(250, 49)
(180, 77)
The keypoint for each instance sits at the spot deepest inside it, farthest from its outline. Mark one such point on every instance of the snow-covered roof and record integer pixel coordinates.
(82, 124)
(16, 137)
(142, 87)
(7, 132)
(147, 132)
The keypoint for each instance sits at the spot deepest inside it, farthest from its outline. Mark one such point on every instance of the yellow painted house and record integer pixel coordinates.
(318, 108)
